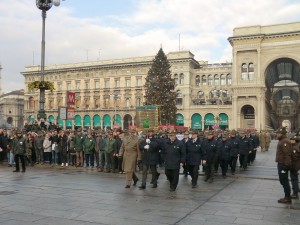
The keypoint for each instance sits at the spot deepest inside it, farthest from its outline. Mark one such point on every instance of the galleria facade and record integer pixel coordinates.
(258, 90)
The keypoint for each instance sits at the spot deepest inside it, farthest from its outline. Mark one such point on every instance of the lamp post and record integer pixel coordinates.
(44, 5)
(115, 95)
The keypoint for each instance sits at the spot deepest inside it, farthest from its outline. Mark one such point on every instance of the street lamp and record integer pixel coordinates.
(116, 96)
(44, 5)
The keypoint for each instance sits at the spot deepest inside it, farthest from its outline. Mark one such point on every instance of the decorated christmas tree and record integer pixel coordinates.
(160, 89)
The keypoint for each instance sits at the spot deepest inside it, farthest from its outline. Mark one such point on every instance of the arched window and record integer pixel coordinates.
(200, 94)
(178, 97)
(210, 80)
(176, 79)
(229, 80)
(127, 102)
(217, 80)
(31, 103)
(204, 80)
(251, 71)
(181, 79)
(138, 102)
(197, 80)
(244, 71)
(223, 79)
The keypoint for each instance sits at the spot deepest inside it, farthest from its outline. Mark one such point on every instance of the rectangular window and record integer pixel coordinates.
(139, 82)
(87, 85)
(59, 86)
(117, 83)
(127, 83)
(97, 84)
(106, 84)
(77, 85)
(68, 86)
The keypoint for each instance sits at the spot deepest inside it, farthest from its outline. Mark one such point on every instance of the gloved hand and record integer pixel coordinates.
(148, 141)
(146, 147)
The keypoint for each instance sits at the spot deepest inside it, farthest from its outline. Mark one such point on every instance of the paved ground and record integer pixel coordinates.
(46, 196)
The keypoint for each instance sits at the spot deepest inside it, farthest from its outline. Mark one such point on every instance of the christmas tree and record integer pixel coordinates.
(160, 89)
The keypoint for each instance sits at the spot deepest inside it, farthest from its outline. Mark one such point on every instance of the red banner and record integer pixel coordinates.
(70, 98)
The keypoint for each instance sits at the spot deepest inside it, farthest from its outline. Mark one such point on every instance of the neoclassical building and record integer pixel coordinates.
(259, 89)
(12, 109)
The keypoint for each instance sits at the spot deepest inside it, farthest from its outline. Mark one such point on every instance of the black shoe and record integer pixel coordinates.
(206, 179)
(142, 187)
(135, 182)
(285, 200)
(127, 186)
(295, 196)
(154, 186)
(158, 174)
(224, 176)
(16, 171)
(172, 189)
(23, 171)
(194, 185)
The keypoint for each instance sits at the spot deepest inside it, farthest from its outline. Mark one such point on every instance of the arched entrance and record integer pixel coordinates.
(282, 78)
(179, 119)
(127, 121)
(247, 117)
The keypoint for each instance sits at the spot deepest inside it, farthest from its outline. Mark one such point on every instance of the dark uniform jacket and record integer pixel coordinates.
(150, 156)
(295, 157)
(284, 152)
(194, 152)
(235, 146)
(19, 146)
(63, 143)
(173, 154)
(209, 146)
(224, 149)
(245, 146)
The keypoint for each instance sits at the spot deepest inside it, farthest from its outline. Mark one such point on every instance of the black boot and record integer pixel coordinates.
(295, 196)
(286, 200)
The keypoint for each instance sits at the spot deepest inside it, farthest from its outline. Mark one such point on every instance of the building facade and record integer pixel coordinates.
(259, 89)
(12, 109)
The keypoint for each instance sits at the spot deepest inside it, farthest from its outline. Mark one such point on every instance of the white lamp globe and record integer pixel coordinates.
(56, 2)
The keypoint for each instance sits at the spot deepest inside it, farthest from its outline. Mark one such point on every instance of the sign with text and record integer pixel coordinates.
(70, 113)
(70, 98)
(62, 113)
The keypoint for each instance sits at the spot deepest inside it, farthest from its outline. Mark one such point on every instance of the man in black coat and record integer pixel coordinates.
(194, 156)
(150, 156)
(186, 138)
(224, 149)
(245, 149)
(209, 146)
(173, 153)
(235, 145)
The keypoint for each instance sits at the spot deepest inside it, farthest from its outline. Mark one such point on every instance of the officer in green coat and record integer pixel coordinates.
(78, 145)
(110, 150)
(19, 148)
(88, 147)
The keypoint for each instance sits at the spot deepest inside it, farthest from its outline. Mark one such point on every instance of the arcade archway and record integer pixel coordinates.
(282, 79)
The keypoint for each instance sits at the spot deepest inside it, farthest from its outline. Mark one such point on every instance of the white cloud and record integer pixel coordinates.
(204, 27)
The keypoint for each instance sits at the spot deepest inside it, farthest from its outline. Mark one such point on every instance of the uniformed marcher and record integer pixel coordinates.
(150, 155)
(186, 138)
(244, 150)
(224, 149)
(130, 151)
(235, 145)
(284, 162)
(78, 144)
(194, 156)
(173, 153)
(19, 148)
(295, 166)
(209, 146)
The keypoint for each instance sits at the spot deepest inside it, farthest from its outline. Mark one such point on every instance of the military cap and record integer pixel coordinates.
(225, 135)
(172, 132)
(233, 132)
(281, 130)
(194, 132)
(210, 132)
(201, 134)
(79, 130)
(294, 137)
(242, 132)
(186, 133)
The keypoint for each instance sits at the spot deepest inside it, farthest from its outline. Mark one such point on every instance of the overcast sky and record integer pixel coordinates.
(88, 30)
